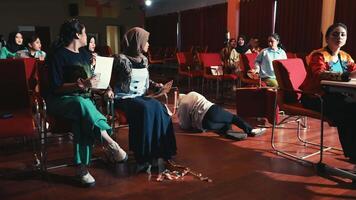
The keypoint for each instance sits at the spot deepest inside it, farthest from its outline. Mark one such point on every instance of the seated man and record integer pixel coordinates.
(195, 111)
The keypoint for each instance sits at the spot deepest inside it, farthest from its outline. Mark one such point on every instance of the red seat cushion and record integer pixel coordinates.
(21, 124)
(229, 77)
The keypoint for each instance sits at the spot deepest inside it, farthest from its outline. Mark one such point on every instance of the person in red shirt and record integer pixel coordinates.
(326, 64)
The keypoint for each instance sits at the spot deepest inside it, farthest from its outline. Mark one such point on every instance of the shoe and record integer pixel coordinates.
(143, 167)
(257, 132)
(87, 180)
(236, 135)
(115, 153)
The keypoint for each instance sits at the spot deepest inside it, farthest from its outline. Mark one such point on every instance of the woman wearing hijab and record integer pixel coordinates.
(151, 134)
(242, 46)
(14, 44)
(70, 97)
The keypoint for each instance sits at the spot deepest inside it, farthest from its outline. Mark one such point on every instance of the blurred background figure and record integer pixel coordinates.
(263, 63)
(230, 57)
(33, 49)
(14, 44)
(242, 46)
(255, 45)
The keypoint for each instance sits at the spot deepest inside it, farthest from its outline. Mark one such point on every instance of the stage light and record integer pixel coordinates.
(148, 2)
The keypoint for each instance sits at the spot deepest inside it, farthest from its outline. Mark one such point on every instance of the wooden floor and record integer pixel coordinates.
(246, 169)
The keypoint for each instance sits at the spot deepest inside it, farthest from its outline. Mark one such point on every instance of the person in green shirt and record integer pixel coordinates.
(14, 44)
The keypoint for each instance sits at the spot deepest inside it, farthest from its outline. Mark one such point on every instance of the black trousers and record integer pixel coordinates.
(343, 114)
(220, 120)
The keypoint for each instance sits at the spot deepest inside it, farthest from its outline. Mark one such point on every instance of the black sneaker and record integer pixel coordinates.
(236, 135)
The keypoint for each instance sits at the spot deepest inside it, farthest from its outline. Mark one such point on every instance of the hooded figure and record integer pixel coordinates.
(151, 134)
(134, 42)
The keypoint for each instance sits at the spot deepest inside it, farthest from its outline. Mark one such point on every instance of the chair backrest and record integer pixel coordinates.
(291, 55)
(14, 83)
(16, 99)
(185, 59)
(210, 59)
(248, 61)
(290, 74)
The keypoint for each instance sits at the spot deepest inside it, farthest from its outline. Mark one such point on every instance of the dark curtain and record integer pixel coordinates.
(298, 23)
(204, 27)
(345, 13)
(215, 27)
(191, 25)
(256, 19)
(163, 30)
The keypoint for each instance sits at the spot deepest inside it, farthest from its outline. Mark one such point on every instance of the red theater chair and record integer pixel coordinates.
(19, 108)
(186, 67)
(290, 74)
(247, 62)
(210, 60)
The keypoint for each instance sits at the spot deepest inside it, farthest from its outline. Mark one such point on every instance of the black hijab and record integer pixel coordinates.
(135, 40)
(11, 45)
(242, 49)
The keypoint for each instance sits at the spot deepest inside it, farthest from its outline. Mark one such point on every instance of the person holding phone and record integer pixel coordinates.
(71, 83)
(337, 106)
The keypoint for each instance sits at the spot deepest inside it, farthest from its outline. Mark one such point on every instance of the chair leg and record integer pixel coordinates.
(189, 84)
(302, 158)
(217, 89)
(322, 167)
(305, 142)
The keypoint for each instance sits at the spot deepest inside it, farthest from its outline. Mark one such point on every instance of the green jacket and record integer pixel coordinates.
(5, 53)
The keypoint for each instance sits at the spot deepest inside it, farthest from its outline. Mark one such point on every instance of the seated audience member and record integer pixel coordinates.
(91, 44)
(196, 112)
(242, 46)
(230, 57)
(71, 85)
(151, 133)
(254, 45)
(33, 49)
(263, 63)
(14, 44)
(324, 63)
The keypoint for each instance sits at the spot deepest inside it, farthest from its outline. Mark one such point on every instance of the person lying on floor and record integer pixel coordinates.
(196, 112)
